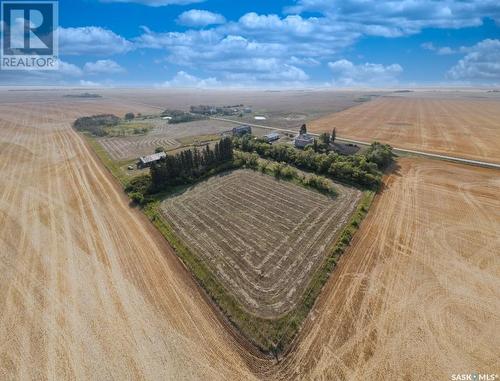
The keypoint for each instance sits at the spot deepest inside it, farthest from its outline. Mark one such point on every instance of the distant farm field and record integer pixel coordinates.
(263, 238)
(459, 126)
(282, 109)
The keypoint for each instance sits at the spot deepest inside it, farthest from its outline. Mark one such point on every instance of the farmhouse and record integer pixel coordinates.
(147, 161)
(303, 140)
(242, 130)
(273, 136)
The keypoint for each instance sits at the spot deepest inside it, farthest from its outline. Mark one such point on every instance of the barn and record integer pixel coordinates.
(147, 161)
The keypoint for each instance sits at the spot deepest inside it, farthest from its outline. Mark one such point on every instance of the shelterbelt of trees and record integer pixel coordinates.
(187, 167)
(178, 116)
(190, 165)
(184, 168)
(96, 124)
(363, 169)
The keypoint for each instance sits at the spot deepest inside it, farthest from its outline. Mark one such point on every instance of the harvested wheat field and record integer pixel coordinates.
(262, 237)
(468, 128)
(89, 290)
(417, 297)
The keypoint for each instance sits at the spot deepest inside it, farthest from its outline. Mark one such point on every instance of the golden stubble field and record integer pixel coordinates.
(465, 126)
(417, 296)
(89, 290)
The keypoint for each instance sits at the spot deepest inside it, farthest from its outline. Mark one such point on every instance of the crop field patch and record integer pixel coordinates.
(121, 148)
(458, 126)
(263, 238)
(163, 135)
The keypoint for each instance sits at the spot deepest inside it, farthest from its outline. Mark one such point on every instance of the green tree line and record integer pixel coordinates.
(283, 171)
(96, 124)
(188, 166)
(362, 169)
(178, 116)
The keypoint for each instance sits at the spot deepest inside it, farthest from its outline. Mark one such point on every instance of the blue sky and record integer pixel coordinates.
(293, 43)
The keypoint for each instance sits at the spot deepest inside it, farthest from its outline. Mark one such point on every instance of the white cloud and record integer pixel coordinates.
(257, 48)
(270, 48)
(348, 74)
(298, 36)
(183, 79)
(67, 73)
(481, 63)
(442, 51)
(197, 17)
(91, 40)
(304, 61)
(392, 18)
(242, 48)
(85, 83)
(311, 36)
(68, 69)
(445, 50)
(103, 66)
(262, 71)
(294, 24)
(303, 41)
(155, 3)
(232, 58)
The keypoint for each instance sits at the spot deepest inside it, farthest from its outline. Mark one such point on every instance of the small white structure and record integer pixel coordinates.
(273, 136)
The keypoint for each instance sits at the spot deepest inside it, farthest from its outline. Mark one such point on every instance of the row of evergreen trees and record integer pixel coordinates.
(188, 166)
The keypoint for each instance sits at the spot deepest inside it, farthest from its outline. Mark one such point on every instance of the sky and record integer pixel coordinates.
(274, 44)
